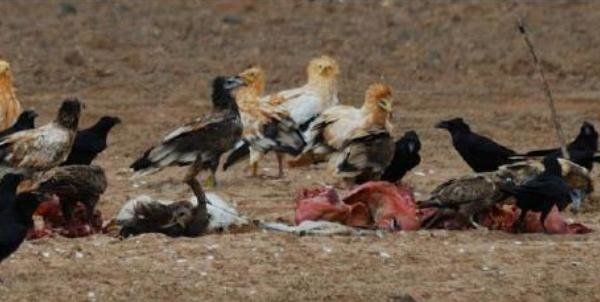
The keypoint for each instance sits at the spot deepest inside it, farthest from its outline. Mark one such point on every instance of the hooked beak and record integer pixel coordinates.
(385, 104)
(442, 125)
(327, 70)
(240, 81)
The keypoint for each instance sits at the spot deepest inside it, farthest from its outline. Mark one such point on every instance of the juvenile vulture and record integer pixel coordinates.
(200, 142)
(72, 184)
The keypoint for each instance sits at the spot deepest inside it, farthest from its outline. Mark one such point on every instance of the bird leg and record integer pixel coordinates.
(211, 181)
(280, 165)
(520, 223)
(89, 210)
(543, 216)
(441, 213)
(191, 180)
(255, 156)
(254, 167)
(67, 210)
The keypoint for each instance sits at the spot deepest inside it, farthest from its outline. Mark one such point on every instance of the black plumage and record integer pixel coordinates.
(581, 150)
(479, 152)
(72, 184)
(406, 157)
(25, 121)
(542, 193)
(15, 214)
(91, 141)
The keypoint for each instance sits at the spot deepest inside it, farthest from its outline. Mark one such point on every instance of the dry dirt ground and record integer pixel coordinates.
(149, 62)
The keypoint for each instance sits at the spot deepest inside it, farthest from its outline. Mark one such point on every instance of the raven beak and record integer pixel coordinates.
(442, 125)
(577, 197)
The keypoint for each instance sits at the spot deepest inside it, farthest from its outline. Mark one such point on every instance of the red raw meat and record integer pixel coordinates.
(374, 204)
(392, 207)
(54, 222)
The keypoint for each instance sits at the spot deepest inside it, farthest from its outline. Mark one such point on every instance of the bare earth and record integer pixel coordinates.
(149, 62)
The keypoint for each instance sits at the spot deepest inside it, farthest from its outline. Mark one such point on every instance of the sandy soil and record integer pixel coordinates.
(149, 62)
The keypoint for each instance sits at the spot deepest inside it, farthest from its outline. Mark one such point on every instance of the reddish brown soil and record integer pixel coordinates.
(149, 62)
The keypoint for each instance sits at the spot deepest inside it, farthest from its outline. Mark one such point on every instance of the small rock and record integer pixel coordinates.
(66, 8)
(74, 58)
(232, 19)
(384, 255)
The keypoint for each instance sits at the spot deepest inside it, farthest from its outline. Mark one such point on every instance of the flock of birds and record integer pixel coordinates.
(54, 161)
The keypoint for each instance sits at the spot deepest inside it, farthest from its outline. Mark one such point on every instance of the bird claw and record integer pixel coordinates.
(210, 182)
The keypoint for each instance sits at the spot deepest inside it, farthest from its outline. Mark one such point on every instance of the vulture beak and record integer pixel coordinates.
(385, 104)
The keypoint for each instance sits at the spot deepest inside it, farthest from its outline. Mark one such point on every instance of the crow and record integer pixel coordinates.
(91, 141)
(541, 193)
(581, 150)
(406, 157)
(25, 121)
(481, 153)
(15, 214)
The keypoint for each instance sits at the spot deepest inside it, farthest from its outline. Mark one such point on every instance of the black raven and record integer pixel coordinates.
(481, 153)
(25, 121)
(541, 193)
(581, 150)
(90, 142)
(406, 157)
(15, 214)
